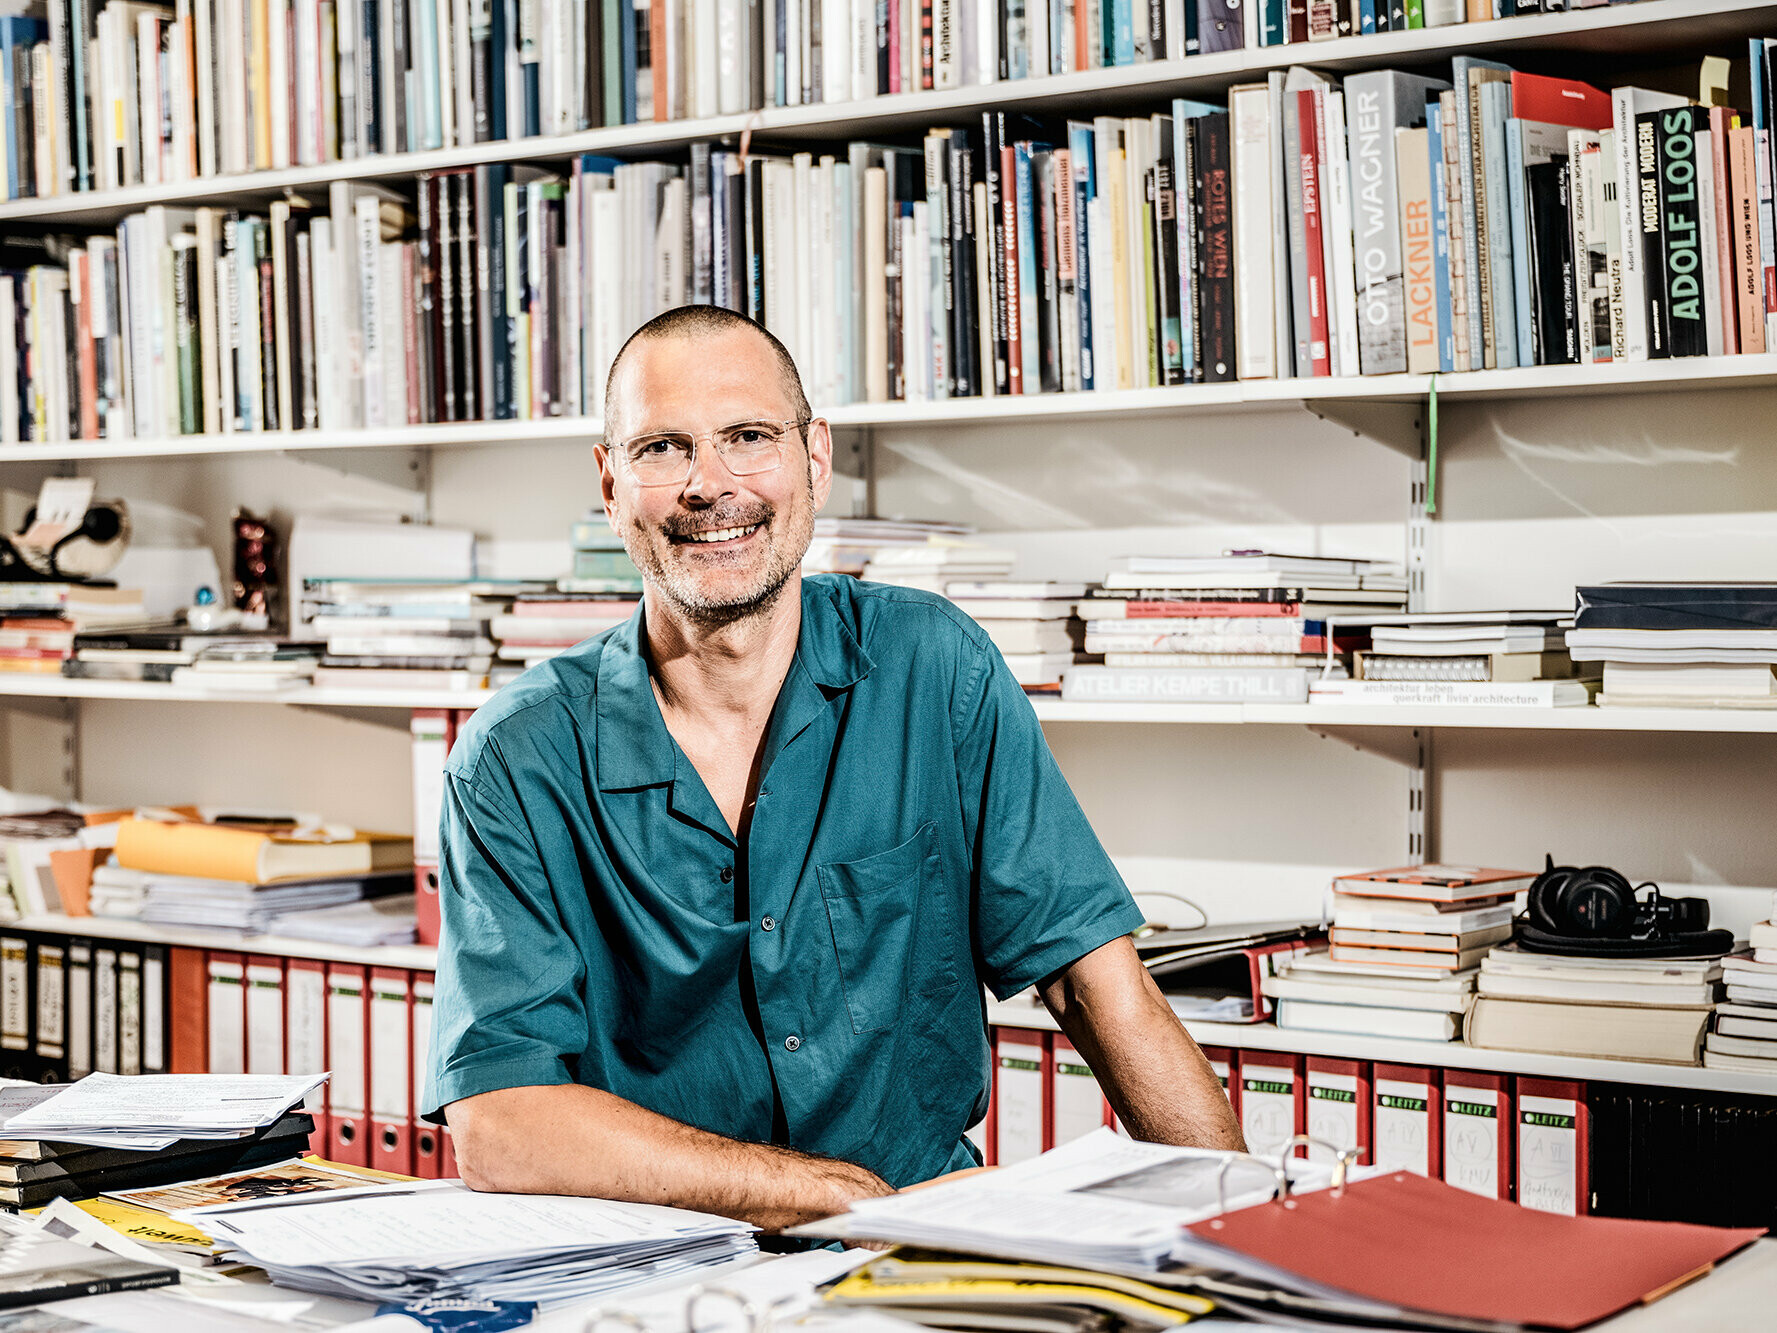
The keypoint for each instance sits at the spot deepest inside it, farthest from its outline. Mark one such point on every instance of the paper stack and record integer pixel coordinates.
(846, 545)
(1613, 1008)
(1680, 645)
(1033, 624)
(438, 1239)
(935, 564)
(1744, 1032)
(544, 624)
(365, 925)
(148, 1112)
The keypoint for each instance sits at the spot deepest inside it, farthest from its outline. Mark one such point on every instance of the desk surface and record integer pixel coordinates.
(1739, 1294)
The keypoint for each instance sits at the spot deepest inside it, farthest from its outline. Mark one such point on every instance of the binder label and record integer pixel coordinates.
(1471, 1141)
(1548, 1149)
(1403, 1129)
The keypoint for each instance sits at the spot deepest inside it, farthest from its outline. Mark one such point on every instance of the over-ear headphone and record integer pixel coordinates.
(1595, 910)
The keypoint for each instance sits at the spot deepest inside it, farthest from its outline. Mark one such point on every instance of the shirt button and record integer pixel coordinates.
(792, 1041)
(727, 875)
(769, 923)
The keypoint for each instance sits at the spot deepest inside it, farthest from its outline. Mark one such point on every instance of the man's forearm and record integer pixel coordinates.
(570, 1139)
(1156, 1078)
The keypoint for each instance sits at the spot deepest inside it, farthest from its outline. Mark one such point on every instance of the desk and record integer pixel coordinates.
(1740, 1294)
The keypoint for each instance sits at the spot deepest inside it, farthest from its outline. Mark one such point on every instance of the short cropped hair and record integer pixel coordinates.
(703, 321)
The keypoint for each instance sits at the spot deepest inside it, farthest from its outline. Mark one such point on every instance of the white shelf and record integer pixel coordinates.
(1692, 373)
(1744, 721)
(418, 957)
(1439, 1054)
(1650, 27)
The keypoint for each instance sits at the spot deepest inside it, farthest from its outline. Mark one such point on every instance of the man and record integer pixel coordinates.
(721, 887)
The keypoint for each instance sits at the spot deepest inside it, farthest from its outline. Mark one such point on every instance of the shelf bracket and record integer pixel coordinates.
(403, 469)
(1398, 426)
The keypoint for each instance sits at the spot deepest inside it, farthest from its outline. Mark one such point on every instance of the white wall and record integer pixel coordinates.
(1534, 497)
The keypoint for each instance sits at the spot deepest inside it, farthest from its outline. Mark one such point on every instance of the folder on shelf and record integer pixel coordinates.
(1553, 1141)
(426, 915)
(1271, 1101)
(1337, 1106)
(249, 855)
(1407, 1119)
(228, 1014)
(428, 1154)
(1478, 1134)
(104, 1008)
(80, 1008)
(188, 1011)
(49, 1007)
(348, 1121)
(154, 1009)
(1021, 1122)
(265, 1015)
(305, 1034)
(129, 1008)
(1493, 1261)
(447, 1152)
(1077, 1104)
(1222, 1060)
(16, 1060)
(1231, 959)
(391, 1071)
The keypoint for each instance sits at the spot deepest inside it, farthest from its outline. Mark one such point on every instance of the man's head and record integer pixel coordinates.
(697, 371)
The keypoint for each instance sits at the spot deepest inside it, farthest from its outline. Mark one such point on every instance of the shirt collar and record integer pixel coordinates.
(634, 748)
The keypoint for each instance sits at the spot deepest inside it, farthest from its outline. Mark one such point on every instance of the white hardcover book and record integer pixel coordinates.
(278, 79)
(605, 245)
(863, 49)
(703, 89)
(329, 405)
(986, 66)
(461, 75)
(1185, 685)
(346, 292)
(1708, 244)
(1342, 275)
(208, 325)
(392, 337)
(731, 20)
(283, 279)
(1106, 368)
(915, 354)
(149, 91)
(799, 183)
(1626, 104)
(792, 54)
(835, 56)
(1036, 30)
(369, 307)
(9, 364)
(1138, 158)
(305, 70)
(447, 87)
(1249, 110)
(875, 298)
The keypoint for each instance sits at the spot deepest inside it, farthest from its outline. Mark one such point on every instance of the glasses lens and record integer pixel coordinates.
(752, 446)
(659, 458)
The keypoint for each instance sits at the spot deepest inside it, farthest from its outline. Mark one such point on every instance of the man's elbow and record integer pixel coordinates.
(476, 1139)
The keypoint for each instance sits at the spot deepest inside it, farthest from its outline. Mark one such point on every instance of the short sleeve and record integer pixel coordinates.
(1045, 892)
(510, 1008)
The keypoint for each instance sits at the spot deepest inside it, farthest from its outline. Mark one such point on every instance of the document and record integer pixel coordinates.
(152, 1110)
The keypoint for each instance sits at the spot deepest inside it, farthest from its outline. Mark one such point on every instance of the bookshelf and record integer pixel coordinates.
(1275, 459)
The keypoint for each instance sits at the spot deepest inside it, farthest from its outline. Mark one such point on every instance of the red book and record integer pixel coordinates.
(1724, 235)
(895, 39)
(1172, 610)
(1748, 268)
(410, 329)
(88, 364)
(1567, 102)
(1319, 333)
(926, 53)
(658, 59)
(1009, 214)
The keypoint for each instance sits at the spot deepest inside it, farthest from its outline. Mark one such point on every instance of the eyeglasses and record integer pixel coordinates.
(663, 457)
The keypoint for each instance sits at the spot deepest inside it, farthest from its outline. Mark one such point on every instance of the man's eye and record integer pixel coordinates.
(651, 448)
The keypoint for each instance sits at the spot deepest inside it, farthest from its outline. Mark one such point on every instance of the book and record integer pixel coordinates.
(1367, 1020)
(1663, 1035)
(1185, 685)
(1443, 941)
(1520, 694)
(1434, 883)
(37, 1268)
(253, 856)
(1434, 959)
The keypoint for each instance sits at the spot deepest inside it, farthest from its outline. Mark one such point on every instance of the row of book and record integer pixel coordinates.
(1613, 1150)
(1679, 644)
(1743, 1030)
(1388, 224)
(96, 97)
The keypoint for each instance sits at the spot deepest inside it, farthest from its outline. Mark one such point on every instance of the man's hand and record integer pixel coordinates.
(569, 1139)
(1155, 1077)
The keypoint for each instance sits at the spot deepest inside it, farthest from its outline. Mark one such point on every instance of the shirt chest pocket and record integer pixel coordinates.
(873, 907)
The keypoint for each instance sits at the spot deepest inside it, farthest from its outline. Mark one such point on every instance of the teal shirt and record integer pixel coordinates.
(817, 984)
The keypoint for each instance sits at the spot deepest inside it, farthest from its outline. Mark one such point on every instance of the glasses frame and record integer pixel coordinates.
(621, 447)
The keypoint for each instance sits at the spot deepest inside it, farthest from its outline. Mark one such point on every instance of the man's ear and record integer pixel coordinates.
(820, 461)
(607, 482)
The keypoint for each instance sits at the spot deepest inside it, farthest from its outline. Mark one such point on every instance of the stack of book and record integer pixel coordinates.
(1319, 995)
(1613, 1008)
(543, 624)
(406, 633)
(35, 643)
(601, 564)
(1680, 645)
(846, 545)
(1503, 658)
(237, 878)
(1743, 1034)
(249, 664)
(1035, 626)
(1245, 626)
(34, 844)
(81, 607)
(933, 565)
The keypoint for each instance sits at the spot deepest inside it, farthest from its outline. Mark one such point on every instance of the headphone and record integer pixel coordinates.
(1594, 910)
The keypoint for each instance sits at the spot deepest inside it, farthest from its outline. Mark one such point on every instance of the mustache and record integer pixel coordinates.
(732, 516)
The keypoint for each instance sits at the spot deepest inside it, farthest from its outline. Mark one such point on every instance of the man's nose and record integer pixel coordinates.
(709, 479)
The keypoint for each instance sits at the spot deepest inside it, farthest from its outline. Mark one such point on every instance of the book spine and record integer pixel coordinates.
(1680, 278)
(1314, 245)
(1215, 257)
(1748, 271)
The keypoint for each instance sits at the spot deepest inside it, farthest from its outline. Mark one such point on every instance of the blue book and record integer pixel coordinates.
(1122, 32)
(1032, 360)
(15, 33)
(1017, 51)
(1755, 59)
(626, 37)
(497, 39)
(1366, 15)
(1440, 238)
(1085, 187)
(1271, 21)
(1526, 306)
(1496, 108)
(1467, 157)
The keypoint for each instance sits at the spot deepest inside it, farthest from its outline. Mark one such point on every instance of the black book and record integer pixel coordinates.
(160, 1169)
(882, 49)
(490, 235)
(991, 141)
(734, 187)
(1156, 30)
(1723, 606)
(36, 1268)
(755, 226)
(1551, 262)
(467, 230)
(1215, 246)
(481, 58)
(392, 24)
(703, 255)
(370, 78)
(444, 312)
(426, 297)
(1645, 208)
(593, 93)
(1681, 221)
(1043, 186)
(965, 341)
(1174, 363)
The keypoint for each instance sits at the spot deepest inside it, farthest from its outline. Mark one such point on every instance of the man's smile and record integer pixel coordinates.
(715, 536)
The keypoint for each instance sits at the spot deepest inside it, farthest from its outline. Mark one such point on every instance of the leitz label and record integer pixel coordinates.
(1332, 1094)
(1547, 1119)
(1481, 1109)
(1266, 1085)
(1008, 1062)
(1392, 1102)
(1079, 1071)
